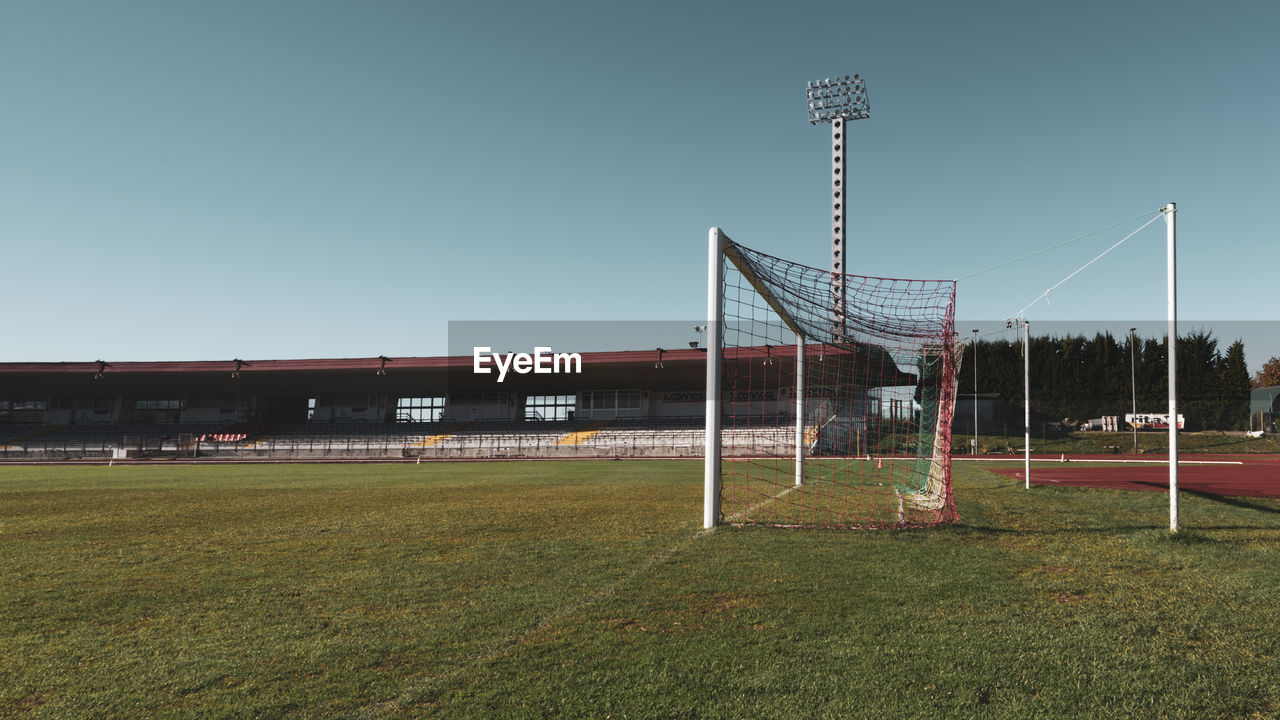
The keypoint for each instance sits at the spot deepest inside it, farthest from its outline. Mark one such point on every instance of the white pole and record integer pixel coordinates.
(1170, 214)
(800, 393)
(1026, 400)
(715, 341)
(975, 391)
(1133, 385)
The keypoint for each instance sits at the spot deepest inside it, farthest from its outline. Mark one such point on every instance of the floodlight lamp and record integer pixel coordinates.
(843, 98)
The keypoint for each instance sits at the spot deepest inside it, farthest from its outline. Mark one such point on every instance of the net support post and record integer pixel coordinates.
(1026, 401)
(800, 412)
(715, 345)
(1170, 219)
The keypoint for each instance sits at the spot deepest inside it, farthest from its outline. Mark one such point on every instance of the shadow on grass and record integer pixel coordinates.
(1062, 530)
(1223, 499)
(1233, 501)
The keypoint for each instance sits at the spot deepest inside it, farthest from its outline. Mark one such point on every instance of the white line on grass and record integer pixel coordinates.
(502, 647)
(736, 517)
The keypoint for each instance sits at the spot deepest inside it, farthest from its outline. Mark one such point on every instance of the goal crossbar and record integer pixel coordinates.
(730, 250)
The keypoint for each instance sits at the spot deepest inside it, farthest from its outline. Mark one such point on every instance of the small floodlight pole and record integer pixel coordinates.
(1133, 384)
(835, 101)
(975, 391)
(1170, 219)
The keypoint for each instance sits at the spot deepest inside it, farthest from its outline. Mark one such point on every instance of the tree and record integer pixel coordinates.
(1235, 388)
(1153, 376)
(1199, 384)
(1269, 375)
(1079, 377)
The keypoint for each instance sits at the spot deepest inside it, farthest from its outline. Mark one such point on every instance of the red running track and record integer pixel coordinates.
(1256, 476)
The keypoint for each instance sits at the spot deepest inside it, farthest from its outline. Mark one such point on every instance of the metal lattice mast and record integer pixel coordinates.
(834, 102)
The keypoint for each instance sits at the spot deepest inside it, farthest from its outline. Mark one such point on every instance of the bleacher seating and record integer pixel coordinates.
(623, 437)
(104, 439)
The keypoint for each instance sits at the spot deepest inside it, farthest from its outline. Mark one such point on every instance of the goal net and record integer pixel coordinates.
(829, 396)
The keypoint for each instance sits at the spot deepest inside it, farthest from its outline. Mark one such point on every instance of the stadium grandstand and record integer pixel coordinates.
(621, 404)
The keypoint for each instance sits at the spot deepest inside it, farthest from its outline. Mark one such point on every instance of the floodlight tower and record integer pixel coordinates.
(835, 101)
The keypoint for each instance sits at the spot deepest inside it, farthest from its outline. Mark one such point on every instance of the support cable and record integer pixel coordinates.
(1045, 295)
(1055, 247)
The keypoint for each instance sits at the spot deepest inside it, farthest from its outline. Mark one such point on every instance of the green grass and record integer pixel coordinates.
(836, 492)
(585, 589)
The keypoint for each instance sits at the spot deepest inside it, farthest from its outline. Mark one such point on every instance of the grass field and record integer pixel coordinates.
(836, 493)
(585, 589)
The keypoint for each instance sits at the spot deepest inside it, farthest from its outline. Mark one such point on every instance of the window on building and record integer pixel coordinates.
(419, 409)
(606, 404)
(156, 412)
(22, 411)
(549, 407)
(157, 405)
(605, 399)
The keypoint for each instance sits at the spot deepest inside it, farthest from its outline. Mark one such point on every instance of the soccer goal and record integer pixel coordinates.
(829, 396)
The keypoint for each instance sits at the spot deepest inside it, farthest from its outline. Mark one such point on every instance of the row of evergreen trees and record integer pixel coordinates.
(1080, 378)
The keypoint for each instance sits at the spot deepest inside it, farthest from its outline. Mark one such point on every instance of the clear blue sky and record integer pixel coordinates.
(201, 180)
